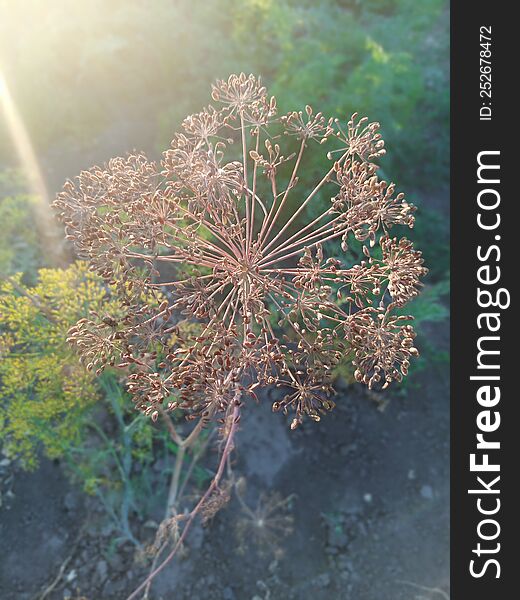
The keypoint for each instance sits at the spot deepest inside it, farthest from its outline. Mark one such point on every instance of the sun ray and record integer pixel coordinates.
(43, 218)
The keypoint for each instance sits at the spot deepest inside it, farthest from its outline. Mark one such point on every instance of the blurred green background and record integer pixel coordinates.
(78, 70)
(84, 80)
(93, 79)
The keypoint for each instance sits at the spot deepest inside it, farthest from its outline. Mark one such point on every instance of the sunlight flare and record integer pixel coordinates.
(29, 163)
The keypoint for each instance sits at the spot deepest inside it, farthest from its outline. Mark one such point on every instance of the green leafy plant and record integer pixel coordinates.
(51, 404)
(45, 393)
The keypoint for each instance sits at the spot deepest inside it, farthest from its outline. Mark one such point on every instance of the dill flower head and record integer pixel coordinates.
(261, 287)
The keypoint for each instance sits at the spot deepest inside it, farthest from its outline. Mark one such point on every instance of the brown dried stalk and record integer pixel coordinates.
(255, 293)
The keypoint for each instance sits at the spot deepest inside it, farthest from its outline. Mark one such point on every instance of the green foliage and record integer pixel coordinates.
(386, 58)
(20, 249)
(50, 403)
(45, 393)
(124, 54)
(374, 57)
(428, 309)
(431, 233)
(430, 306)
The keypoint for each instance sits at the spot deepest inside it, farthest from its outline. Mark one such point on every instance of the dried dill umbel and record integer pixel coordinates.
(258, 292)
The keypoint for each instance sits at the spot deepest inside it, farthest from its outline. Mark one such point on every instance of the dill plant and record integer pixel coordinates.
(209, 228)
